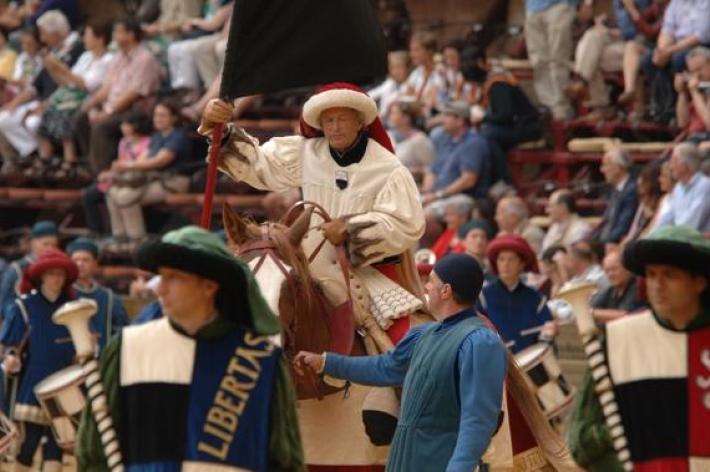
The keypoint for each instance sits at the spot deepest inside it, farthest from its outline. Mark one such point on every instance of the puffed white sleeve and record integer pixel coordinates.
(274, 166)
(395, 223)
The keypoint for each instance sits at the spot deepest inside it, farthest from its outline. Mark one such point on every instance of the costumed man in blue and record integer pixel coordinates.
(202, 388)
(645, 403)
(452, 372)
(35, 348)
(111, 314)
(43, 235)
(519, 312)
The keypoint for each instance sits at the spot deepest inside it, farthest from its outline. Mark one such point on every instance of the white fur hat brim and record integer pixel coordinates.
(358, 101)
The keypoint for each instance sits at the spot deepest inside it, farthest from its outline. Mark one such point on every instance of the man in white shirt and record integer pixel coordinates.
(689, 203)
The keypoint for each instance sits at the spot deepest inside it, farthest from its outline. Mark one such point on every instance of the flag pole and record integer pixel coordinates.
(211, 180)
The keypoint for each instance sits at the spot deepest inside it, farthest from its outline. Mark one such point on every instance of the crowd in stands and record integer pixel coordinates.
(114, 105)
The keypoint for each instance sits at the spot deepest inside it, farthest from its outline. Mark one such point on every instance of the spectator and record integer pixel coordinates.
(424, 84)
(412, 146)
(456, 86)
(69, 8)
(681, 32)
(548, 36)
(567, 226)
(149, 178)
(20, 117)
(8, 56)
(133, 79)
(689, 203)
(29, 62)
(509, 117)
(15, 16)
(666, 183)
(621, 297)
(599, 50)
(75, 84)
(693, 105)
(512, 306)
(512, 218)
(461, 171)
(623, 200)
(475, 236)
(649, 196)
(392, 88)
(136, 128)
(173, 14)
(184, 56)
(583, 263)
(554, 266)
(455, 216)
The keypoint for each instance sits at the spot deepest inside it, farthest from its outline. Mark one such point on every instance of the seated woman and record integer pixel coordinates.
(148, 178)
(649, 193)
(75, 84)
(412, 146)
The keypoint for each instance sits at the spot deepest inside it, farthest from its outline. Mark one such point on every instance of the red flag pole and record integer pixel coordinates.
(211, 180)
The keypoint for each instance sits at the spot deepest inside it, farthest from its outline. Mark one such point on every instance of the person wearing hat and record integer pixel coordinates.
(111, 315)
(204, 387)
(452, 372)
(344, 162)
(35, 347)
(475, 236)
(515, 308)
(658, 363)
(461, 171)
(43, 235)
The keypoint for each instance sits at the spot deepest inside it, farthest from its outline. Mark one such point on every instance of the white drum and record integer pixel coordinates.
(553, 392)
(62, 398)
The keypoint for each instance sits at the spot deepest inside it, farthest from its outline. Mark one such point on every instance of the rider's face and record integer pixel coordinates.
(340, 127)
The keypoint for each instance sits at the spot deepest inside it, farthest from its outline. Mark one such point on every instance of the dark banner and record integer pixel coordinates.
(281, 44)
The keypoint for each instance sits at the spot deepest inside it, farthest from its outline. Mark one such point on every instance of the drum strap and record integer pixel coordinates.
(109, 314)
(23, 310)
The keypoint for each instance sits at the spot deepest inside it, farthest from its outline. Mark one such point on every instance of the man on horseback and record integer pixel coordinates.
(343, 162)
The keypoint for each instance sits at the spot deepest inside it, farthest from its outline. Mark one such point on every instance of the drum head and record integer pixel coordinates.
(67, 376)
(531, 356)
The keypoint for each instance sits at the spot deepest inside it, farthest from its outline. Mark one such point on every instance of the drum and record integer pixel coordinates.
(62, 398)
(553, 392)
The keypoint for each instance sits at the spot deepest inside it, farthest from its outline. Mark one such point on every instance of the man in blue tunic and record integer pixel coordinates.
(202, 388)
(452, 372)
(111, 315)
(44, 235)
(28, 327)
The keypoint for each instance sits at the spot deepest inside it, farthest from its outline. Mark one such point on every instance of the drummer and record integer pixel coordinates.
(518, 311)
(46, 286)
(111, 315)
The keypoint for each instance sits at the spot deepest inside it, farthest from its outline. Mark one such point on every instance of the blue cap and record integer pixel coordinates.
(463, 273)
(83, 244)
(44, 228)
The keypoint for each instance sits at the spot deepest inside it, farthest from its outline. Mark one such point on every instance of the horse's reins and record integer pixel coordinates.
(270, 250)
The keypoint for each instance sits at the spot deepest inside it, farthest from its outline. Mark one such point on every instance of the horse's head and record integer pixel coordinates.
(272, 250)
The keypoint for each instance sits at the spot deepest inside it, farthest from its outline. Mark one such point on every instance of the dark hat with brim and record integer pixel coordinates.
(199, 252)
(676, 246)
(517, 244)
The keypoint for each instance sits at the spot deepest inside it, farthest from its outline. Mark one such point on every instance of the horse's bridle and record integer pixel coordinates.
(268, 247)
